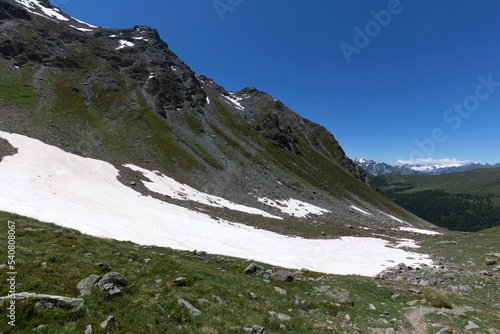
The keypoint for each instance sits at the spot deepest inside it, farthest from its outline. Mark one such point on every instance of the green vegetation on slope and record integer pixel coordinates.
(52, 260)
(466, 201)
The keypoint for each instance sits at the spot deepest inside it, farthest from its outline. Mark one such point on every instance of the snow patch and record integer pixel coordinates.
(395, 218)
(235, 100)
(124, 44)
(81, 29)
(165, 185)
(360, 210)
(294, 207)
(51, 185)
(419, 230)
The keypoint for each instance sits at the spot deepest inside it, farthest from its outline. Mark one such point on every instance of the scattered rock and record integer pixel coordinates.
(253, 268)
(400, 266)
(471, 325)
(190, 308)
(490, 262)
(258, 329)
(48, 302)
(280, 290)
(344, 297)
(283, 276)
(107, 283)
(320, 325)
(106, 322)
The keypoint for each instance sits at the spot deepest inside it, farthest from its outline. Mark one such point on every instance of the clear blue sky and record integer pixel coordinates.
(400, 86)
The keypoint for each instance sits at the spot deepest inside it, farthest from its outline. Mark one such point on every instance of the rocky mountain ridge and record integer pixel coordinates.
(123, 96)
(379, 168)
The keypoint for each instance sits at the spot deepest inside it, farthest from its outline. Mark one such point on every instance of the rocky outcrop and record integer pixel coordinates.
(48, 302)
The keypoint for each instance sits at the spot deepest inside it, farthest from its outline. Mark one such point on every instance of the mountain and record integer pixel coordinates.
(124, 97)
(137, 191)
(377, 168)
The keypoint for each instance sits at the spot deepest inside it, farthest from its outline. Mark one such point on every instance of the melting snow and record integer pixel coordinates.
(81, 29)
(360, 210)
(46, 183)
(235, 100)
(294, 207)
(165, 185)
(124, 44)
(395, 218)
(419, 230)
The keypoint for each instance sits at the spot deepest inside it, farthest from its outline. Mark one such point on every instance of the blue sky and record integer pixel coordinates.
(392, 80)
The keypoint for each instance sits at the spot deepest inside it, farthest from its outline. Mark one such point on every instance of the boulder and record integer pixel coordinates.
(185, 305)
(283, 276)
(108, 283)
(47, 302)
(253, 268)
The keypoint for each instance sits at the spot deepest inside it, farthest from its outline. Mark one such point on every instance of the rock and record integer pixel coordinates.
(344, 297)
(180, 281)
(253, 268)
(283, 317)
(107, 283)
(490, 262)
(493, 255)
(413, 302)
(372, 307)
(190, 308)
(253, 295)
(88, 329)
(283, 276)
(258, 329)
(115, 278)
(390, 331)
(104, 267)
(400, 266)
(34, 229)
(203, 301)
(112, 289)
(106, 322)
(86, 285)
(47, 302)
(471, 325)
(320, 325)
(347, 317)
(445, 330)
(201, 254)
(280, 290)
(247, 330)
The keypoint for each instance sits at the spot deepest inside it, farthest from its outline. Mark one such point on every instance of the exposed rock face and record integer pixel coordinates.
(48, 302)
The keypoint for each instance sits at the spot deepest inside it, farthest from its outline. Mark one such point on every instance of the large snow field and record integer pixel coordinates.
(51, 185)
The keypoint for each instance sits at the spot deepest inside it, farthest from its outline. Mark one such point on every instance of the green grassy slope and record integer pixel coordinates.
(54, 260)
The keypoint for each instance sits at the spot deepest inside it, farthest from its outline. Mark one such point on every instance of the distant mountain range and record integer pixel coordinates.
(379, 168)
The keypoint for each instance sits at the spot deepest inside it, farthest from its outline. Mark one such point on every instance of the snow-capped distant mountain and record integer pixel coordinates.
(428, 167)
(379, 168)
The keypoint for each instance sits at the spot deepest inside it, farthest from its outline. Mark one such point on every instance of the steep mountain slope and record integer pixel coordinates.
(124, 97)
